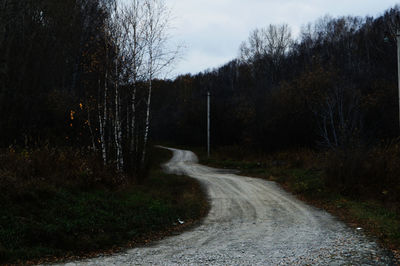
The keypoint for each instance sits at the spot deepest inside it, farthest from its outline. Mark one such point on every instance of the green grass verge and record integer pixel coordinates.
(308, 184)
(61, 222)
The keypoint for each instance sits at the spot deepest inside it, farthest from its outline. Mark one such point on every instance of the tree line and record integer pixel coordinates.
(79, 73)
(83, 73)
(334, 87)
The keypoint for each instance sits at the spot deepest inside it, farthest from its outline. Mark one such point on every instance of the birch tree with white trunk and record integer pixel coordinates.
(133, 28)
(102, 98)
(136, 52)
(158, 55)
(117, 40)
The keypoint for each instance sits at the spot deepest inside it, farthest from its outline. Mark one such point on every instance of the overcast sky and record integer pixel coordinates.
(212, 30)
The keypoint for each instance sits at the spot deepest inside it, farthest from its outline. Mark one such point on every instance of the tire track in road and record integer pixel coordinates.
(252, 222)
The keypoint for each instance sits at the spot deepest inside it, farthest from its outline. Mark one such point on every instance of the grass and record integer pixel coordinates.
(378, 219)
(303, 173)
(42, 221)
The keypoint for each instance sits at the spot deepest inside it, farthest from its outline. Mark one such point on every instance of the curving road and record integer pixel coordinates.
(252, 221)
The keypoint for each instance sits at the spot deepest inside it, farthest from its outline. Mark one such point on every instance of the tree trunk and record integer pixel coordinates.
(133, 120)
(103, 119)
(147, 125)
(90, 128)
(117, 130)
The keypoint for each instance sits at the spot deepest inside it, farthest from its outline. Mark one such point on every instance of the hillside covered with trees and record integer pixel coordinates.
(335, 86)
(77, 172)
(81, 100)
(332, 89)
(79, 73)
(319, 114)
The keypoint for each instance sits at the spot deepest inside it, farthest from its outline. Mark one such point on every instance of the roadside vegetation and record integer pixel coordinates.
(81, 99)
(77, 174)
(358, 186)
(63, 204)
(317, 113)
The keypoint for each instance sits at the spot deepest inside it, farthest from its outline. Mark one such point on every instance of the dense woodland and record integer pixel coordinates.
(79, 73)
(77, 173)
(333, 87)
(83, 74)
(332, 90)
(81, 100)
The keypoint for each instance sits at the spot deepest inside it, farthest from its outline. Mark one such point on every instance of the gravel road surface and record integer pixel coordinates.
(252, 222)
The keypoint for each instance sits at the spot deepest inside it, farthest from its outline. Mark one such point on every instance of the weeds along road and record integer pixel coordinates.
(252, 221)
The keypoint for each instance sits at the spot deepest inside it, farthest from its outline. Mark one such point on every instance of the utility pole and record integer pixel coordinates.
(208, 123)
(398, 66)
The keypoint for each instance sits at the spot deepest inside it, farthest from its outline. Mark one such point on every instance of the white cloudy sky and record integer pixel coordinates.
(212, 30)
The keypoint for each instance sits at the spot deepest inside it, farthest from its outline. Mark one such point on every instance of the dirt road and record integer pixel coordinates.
(252, 221)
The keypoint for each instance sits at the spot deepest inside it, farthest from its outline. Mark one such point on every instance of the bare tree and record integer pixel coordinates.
(103, 94)
(136, 51)
(118, 38)
(158, 55)
(340, 118)
(265, 50)
(109, 111)
(102, 114)
(133, 27)
(273, 41)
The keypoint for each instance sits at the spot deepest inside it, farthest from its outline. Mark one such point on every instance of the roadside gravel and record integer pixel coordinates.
(252, 222)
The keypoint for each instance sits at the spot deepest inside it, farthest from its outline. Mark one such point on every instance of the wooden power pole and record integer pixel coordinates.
(208, 123)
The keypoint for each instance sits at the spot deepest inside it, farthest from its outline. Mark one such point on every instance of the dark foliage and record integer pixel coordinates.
(46, 47)
(335, 87)
(58, 203)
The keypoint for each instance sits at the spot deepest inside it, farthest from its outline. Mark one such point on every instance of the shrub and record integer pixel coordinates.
(43, 169)
(362, 172)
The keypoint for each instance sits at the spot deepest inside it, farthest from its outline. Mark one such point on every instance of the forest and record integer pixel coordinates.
(82, 102)
(85, 76)
(333, 90)
(79, 74)
(333, 87)
(77, 172)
